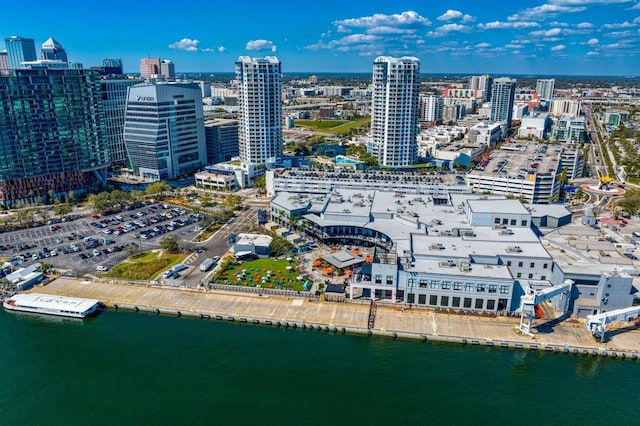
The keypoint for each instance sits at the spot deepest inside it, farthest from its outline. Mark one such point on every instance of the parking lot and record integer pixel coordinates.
(81, 245)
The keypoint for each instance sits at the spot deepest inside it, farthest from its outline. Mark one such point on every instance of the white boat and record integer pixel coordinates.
(74, 307)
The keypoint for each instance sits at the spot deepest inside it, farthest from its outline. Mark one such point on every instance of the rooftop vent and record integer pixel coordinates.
(514, 249)
(505, 232)
(447, 264)
(436, 246)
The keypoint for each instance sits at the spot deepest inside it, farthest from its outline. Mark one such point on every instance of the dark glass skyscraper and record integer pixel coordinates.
(51, 140)
(53, 50)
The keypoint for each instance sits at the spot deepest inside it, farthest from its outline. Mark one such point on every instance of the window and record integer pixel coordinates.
(411, 282)
(455, 302)
(496, 220)
(513, 222)
(446, 285)
(479, 303)
(493, 288)
(434, 284)
(411, 298)
(530, 276)
(505, 221)
(519, 264)
(533, 264)
(468, 286)
(524, 223)
(422, 299)
(389, 279)
(457, 285)
(444, 301)
(519, 275)
(433, 300)
(378, 279)
(544, 266)
(543, 277)
(480, 288)
(423, 283)
(467, 302)
(508, 263)
(491, 305)
(504, 289)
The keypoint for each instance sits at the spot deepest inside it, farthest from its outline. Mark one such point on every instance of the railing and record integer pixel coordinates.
(260, 290)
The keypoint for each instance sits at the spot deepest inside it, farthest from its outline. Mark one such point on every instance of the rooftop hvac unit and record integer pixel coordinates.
(506, 232)
(514, 249)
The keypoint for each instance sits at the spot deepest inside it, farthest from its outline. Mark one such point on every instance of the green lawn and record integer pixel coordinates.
(333, 126)
(255, 270)
(145, 266)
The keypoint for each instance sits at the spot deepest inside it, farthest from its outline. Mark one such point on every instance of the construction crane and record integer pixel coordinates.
(605, 180)
(597, 323)
(529, 301)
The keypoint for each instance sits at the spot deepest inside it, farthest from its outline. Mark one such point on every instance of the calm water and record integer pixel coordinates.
(128, 368)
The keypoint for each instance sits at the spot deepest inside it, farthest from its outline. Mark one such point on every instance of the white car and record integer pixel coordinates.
(101, 268)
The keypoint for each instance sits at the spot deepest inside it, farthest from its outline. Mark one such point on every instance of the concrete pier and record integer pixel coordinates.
(391, 320)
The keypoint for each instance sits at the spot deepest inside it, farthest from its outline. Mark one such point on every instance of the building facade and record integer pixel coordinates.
(545, 87)
(114, 102)
(431, 108)
(502, 95)
(4, 62)
(395, 110)
(53, 50)
(222, 140)
(164, 130)
(260, 102)
(51, 135)
(19, 50)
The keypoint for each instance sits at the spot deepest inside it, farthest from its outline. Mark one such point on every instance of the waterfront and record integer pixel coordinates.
(135, 368)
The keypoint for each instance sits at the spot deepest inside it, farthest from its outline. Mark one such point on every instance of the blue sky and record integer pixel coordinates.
(579, 37)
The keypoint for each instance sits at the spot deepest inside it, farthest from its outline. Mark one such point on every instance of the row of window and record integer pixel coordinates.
(459, 286)
(456, 302)
(532, 264)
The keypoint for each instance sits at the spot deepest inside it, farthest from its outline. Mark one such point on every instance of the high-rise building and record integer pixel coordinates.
(157, 69)
(19, 50)
(222, 140)
(545, 87)
(560, 106)
(431, 108)
(114, 102)
(51, 140)
(53, 50)
(503, 93)
(260, 102)
(4, 62)
(395, 110)
(167, 69)
(112, 66)
(164, 130)
(481, 84)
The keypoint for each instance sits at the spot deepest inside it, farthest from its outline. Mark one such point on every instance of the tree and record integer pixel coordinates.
(62, 209)
(157, 188)
(136, 196)
(279, 247)
(170, 243)
(260, 183)
(232, 201)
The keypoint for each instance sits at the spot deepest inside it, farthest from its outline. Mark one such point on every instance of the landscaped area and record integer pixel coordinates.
(146, 265)
(266, 273)
(336, 127)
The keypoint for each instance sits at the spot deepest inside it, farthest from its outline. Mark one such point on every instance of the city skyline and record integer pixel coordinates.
(557, 37)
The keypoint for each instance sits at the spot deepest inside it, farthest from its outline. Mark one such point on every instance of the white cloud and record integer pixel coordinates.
(546, 33)
(222, 49)
(593, 53)
(261, 45)
(634, 7)
(558, 48)
(544, 11)
(584, 25)
(500, 25)
(483, 45)
(583, 2)
(449, 15)
(620, 34)
(448, 28)
(593, 42)
(513, 46)
(185, 44)
(625, 24)
(408, 19)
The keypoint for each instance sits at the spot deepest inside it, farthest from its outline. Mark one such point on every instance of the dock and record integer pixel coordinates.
(393, 321)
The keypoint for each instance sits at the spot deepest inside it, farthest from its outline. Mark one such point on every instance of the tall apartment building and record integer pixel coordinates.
(482, 85)
(164, 130)
(4, 62)
(222, 140)
(53, 50)
(19, 50)
(260, 102)
(155, 68)
(114, 102)
(51, 134)
(502, 95)
(565, 106)
(395, 110)
(167, 69)
(431, 108)
(545, 87)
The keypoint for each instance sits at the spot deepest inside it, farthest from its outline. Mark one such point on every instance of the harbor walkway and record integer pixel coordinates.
(391, 320)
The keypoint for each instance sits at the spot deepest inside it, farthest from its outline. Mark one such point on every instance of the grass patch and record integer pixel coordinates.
(335, 127)
(206, 233)
(280, 278)
(145, 265)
